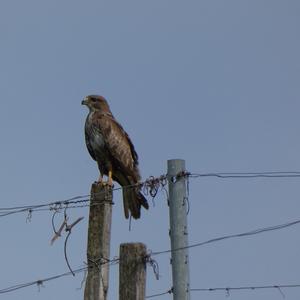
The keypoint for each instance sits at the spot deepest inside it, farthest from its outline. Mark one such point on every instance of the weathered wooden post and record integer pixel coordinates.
(98, 245)
(132, 271)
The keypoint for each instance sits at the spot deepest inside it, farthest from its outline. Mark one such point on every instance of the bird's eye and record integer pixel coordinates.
(93, 100)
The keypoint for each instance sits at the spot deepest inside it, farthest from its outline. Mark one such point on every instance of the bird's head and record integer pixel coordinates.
(96, 103)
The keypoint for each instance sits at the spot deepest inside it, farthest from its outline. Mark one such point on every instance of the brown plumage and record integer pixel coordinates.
(110, 146)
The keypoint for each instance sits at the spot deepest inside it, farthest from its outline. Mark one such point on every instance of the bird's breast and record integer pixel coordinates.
(94, 135)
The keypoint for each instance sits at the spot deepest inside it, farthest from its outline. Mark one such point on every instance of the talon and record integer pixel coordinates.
(101, 183)
(100, 180)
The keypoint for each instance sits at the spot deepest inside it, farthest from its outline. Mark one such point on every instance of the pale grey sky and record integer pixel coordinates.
(213, 82)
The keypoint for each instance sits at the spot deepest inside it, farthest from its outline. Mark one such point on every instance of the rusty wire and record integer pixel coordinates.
(153, 263)
(149, 187)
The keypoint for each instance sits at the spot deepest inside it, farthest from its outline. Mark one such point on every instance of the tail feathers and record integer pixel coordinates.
(133, 201)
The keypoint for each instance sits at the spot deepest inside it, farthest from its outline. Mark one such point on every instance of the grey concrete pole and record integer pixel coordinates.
(178, 229)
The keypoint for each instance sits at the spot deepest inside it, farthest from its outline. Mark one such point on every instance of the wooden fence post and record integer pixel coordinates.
(98, 245)
(132, 271)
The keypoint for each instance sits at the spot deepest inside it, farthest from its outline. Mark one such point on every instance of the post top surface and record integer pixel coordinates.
(175, 166)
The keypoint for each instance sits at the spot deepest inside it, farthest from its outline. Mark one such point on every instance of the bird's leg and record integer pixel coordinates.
(100, 179)
(110, 181)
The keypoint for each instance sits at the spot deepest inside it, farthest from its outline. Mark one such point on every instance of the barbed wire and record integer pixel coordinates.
(170, 291)
(150, 186)
(272, 174)
(250, 287)
(231, 236)
(50, 206)
(40, 282)
(227, 290)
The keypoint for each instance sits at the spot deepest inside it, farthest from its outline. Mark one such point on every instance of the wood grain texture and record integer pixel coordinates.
(98, 245)
(132, 271)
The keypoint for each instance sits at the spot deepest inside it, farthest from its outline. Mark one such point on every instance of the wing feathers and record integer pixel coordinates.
(111, 147)
(118, 144)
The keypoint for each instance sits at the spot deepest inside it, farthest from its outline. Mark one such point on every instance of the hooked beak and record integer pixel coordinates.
(84, 101)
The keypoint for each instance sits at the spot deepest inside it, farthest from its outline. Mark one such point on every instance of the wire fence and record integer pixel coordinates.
(210, 241)
(151, 187)
(279, 287)
(232, 236)
(40, 282)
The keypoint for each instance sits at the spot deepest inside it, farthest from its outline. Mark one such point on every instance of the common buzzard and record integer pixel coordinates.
(110, 146)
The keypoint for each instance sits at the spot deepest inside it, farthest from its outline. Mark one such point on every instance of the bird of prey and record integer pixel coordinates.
(110, 146)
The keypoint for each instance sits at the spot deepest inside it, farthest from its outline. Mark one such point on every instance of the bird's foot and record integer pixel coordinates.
(110, 182)
(100, 181)
(103, 183)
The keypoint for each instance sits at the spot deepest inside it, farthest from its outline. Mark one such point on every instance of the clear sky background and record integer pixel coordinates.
(213, 82)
